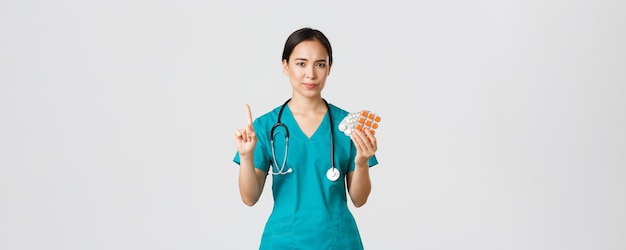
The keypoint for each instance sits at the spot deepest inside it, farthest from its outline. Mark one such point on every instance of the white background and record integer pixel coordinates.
(503, 121)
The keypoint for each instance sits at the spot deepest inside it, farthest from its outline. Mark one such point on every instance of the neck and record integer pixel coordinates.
(307, 105)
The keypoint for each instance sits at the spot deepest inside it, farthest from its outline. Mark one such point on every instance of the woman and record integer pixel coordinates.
(310, 173)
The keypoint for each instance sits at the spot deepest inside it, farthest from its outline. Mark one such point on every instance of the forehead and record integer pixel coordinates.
(312, 49)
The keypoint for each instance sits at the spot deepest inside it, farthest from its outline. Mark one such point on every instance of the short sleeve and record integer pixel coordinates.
(373, 161)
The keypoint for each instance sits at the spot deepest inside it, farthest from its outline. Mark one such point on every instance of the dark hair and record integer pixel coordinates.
(306, 34)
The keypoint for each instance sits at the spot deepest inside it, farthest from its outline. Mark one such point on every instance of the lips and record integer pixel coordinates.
(310, 85)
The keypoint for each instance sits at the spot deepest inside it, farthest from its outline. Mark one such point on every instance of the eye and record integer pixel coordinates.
(300, 63)
(321, 65)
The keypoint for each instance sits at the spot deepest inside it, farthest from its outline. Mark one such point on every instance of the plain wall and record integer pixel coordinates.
(502, 121)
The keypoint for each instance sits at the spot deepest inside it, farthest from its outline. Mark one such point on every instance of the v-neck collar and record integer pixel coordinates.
(298, 131)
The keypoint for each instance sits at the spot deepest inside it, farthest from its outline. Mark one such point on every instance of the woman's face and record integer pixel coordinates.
(307, 68)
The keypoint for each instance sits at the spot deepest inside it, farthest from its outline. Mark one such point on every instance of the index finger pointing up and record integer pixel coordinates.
(249, 114)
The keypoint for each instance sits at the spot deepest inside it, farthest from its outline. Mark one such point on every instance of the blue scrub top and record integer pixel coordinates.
(310, 212)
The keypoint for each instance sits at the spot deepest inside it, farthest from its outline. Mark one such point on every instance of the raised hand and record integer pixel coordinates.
(245, 139)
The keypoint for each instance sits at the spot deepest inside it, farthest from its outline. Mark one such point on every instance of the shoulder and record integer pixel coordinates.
(336, 111)
(267, 119)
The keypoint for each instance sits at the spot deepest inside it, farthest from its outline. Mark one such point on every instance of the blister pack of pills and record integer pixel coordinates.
(363, 120)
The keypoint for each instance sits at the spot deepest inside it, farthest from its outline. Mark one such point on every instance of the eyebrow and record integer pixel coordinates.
(304, 59)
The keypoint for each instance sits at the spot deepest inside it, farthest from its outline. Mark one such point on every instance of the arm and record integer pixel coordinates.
(251, 180)
(359, 184)
(358, 181)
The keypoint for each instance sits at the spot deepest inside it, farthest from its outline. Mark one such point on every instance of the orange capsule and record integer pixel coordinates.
(368, 123)
(361, 120)
(377, 119)
(358, 127)
(363, 113)
(375, 125)
(370, 116)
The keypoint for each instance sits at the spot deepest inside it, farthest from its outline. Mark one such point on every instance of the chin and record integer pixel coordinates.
(310, 93)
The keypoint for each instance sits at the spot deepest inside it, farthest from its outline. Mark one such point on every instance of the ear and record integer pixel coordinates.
(330, 65)
(285, 67)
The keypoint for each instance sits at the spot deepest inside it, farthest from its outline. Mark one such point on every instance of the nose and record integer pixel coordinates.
(310, 72)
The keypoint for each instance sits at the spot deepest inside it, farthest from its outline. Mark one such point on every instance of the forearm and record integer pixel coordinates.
(360, 185)
(249, 186)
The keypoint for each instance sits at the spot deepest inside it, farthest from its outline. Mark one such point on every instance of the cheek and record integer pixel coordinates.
(296, 73)
(294, 76)
(323, 72)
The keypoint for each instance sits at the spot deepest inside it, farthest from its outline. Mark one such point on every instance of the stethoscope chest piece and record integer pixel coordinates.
(332, 174)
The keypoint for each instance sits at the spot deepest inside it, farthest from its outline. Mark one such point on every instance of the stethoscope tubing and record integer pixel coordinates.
(332, 174)
(272, 135)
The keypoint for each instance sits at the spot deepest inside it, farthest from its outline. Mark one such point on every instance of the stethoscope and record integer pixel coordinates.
(332, 174)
